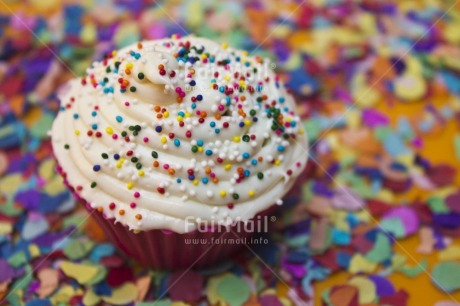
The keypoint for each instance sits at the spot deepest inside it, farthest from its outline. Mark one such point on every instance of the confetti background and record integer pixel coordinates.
(378, 84)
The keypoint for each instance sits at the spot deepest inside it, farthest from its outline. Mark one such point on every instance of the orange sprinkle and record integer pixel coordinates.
(121, 212)
(138, 216)
(157, 108)
(171, 171)
(127, 71)
(159, 116)
(243, 98)
(179, 99)
(100, 209)
(218, 116)
(161, 67)
(156, 164)
(139, 45)
(260, 158)
(203, 114)
(215, 180)
(207, 170)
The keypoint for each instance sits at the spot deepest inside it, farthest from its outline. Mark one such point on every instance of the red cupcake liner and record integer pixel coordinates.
(166, 250)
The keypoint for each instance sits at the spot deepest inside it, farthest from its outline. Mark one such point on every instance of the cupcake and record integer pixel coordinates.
(173, 144)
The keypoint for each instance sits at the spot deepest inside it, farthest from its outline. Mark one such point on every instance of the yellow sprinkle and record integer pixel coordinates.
(277, 162)
(228, 167)
(163, 139)
(223, 193)
(227, 78)
(301, 131)
(251, 193)
(244, 53)
(140, 172)
(77, 132)
(236, 139)
(224, 46)
(114, 52)
(288, 119)
(195, 182)
(179, 118)
(129, 65)
(130, 185)
(166, 114)
(109, 130)
(200, 149)
(187, 114)
(247, 122)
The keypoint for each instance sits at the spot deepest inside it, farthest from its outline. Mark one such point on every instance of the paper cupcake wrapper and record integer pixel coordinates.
(166, 250)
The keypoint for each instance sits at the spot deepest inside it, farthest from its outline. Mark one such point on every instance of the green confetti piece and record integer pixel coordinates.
(381, 250)
(24, 281)
(445, 275)
(40, 128)
(234, 290)
(18, 259)
(415, 270)
(394, 226)
(457, 146)
(78, 249)
(437, 205)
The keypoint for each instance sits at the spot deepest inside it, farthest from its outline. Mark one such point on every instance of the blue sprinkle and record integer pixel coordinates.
(158, 129)
(208, 152)
(221, 88)
(280, 148)
(247, 173)
(217, 131)
(179, 180)
(177, 142)
(254, 162)
(75, 116)
(212, 124)
(191, 177)
(119, 118)
(94, 126)
(205, 180)
(245, 155)
(193, 105)
(199, 142)
(241, 124)
(96, 168)
(281, 100)
(116, 156)
(199, 97)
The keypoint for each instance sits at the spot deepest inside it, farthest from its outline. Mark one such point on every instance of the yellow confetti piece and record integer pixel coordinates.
(46, 169)
(122, 295)
(367, 290)
(360, 264)
(90, 298)
(452, 252)
(5, 228)
(82, 273)
(34, 250)
(62, 296)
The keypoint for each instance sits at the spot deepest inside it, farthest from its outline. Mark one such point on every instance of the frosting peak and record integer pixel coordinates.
(168, 130)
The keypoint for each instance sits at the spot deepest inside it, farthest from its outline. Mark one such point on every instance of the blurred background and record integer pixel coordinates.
(378, 86)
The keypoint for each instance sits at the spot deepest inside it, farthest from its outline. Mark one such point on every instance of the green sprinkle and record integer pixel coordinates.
(140, 75)
(66, 146)
(93, 184)
(246, 138)
(132, 89)
(124, 133)
(134, 159)
(105, 155)
(138, 166)
(194, 149)
(235, 196)
(252, 112)
(154, 154)
(260, 175)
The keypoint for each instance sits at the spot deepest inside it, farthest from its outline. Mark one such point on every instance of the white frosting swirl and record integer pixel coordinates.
(144, 148)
